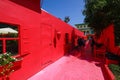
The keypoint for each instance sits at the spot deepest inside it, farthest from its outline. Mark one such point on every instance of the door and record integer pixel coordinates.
(46, 43)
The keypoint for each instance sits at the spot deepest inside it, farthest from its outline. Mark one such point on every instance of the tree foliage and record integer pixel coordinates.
(100, 13)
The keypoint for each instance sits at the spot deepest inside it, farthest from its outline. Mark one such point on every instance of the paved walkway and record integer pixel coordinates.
(72, 68)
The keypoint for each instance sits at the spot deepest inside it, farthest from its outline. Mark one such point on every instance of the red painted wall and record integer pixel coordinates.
(42, 36)
(107, 38)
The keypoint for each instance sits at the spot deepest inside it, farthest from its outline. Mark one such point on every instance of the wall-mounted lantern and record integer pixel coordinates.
(58, 35)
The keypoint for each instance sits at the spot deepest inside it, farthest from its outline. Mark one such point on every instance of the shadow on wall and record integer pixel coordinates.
(69, 43)
(54, 39)
(66, 44)
(73, 39)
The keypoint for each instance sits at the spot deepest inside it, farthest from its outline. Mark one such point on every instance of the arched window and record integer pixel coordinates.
(9, 38)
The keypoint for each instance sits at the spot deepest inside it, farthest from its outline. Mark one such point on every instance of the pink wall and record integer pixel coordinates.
(42, 36)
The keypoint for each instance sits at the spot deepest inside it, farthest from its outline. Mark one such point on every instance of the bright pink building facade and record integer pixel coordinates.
(43, 38)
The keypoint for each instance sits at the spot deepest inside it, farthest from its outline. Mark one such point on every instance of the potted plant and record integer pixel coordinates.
(7, 64)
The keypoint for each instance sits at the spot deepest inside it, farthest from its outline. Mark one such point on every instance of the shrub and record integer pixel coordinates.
(116, 70)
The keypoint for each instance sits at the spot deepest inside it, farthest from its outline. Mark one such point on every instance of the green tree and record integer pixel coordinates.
(67, 19)
(100, 13)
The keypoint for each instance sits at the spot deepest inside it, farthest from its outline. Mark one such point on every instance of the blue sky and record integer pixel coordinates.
(62, 8)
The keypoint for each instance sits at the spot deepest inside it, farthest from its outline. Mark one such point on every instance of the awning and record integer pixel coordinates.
(7, 30)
